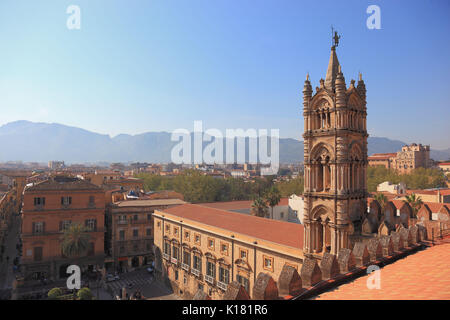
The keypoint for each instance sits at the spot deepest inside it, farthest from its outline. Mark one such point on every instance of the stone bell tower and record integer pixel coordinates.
(335, 160)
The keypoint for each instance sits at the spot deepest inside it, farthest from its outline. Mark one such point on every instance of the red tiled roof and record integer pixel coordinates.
(238, 205)
(284, 233)
(421, 276)
(443, 192)
(444, 164)
(436, 206)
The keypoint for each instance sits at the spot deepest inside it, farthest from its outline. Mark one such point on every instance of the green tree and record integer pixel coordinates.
(415, 202)
(272, 198)
(84, 294)
(382, 200)
(75, 241)
(259, 207)
(55, 293)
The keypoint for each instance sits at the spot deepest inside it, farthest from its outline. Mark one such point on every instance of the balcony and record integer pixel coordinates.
(222, 285)
(195, 272)
(122, 222)
(184, 266)
(174, 260)
(209, 279)
(166, 256)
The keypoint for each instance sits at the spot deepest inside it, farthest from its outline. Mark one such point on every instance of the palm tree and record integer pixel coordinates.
(75, 241)
(259, 207)
(382, 200)
(414, 202)
(272, 198)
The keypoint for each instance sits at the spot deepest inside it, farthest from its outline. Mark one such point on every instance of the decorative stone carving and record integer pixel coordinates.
(289, 282)
(387, 245)
(397, 240)
(310, 273)
(368, 227)
(329, 266)
(361, 254)
(265, 288)
(414, 232)
(346, 260)
(235, 291)
(375, 249)
(406, 236)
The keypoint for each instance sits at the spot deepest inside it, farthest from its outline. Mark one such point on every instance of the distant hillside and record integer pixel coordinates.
(41, 142)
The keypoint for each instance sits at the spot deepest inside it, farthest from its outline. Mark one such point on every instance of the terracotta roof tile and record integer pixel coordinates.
(284, 233)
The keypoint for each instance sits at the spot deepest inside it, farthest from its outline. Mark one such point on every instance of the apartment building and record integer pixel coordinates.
(49, 208)
(204, 248)
(131, 243)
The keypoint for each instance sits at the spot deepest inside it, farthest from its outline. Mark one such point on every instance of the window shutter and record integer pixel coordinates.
(60, 226)
(43, 226)
(34, 226)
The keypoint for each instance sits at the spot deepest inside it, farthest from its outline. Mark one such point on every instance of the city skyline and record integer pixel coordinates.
(155, 68)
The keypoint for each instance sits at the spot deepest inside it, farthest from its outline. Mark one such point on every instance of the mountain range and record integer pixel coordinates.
(40, 142)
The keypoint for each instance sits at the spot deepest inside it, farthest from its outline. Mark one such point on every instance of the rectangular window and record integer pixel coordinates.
(224, 249)
(211, 269)
(91, 224)
(197, 263)
(268, 263)
(243, 281)
(186, 235)
(135, 233)
(65, 201)
(176, 275)
(243, 254)
(64, 225)
(175, 231)
(210, 243)
(175, 252)
(224, 275)
(121, 234)
(148, 231)
(187, 257)
(197, 239)
(167, 248)
(167, 228)
(158, 224)
(38, 227)
(39, 201)
(91, 200)
(149, 216)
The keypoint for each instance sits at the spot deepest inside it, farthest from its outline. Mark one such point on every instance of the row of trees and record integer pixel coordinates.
(420, 178)
(197, 187)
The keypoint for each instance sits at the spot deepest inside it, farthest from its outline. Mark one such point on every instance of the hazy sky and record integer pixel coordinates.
(137, 66)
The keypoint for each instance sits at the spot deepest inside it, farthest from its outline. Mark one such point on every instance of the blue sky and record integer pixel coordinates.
(138, 66)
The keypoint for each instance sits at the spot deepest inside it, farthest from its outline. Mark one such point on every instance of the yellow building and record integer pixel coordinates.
(199, 247)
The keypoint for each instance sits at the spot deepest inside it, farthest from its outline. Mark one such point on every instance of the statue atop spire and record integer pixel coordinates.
(335, 37)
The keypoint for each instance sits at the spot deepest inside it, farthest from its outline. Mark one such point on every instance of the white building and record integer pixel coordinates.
(296, 205)
(388, 186)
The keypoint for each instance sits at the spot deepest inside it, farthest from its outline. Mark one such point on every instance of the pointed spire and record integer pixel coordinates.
(333, 70)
